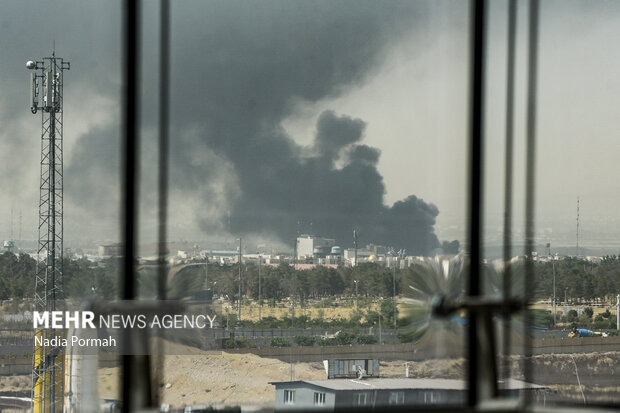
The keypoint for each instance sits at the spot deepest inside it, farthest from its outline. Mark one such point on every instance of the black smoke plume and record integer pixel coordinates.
(238, 70)
(249, 66)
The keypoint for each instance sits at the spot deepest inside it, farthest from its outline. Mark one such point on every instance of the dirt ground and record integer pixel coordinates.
(10, 384)
(220, 379)
(243, 379)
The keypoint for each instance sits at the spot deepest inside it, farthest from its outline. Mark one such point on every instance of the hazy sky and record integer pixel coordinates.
(253, 86)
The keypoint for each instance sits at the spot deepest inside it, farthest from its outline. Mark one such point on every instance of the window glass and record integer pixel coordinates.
(576, 223)
(60, 225)
(572, 324)
(396, 398)
(319, 398)
(289, 396)
(361, 399)
(326, 142)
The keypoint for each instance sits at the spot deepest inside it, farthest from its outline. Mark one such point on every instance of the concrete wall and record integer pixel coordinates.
(576, 345)
(23, 365)
(432, 349)
(320, 353)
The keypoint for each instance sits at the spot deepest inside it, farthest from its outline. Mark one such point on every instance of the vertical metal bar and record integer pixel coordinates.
(508, 164)
(475, 186)
(530, 173)
(162, 217)
(129, 149)
(164, 110)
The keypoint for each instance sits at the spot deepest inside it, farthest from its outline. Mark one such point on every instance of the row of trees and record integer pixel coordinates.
(85, 279)
(81, 278)
(279, 282)
(579, 280)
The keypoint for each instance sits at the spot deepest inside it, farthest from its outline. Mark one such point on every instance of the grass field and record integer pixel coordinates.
(251, 312)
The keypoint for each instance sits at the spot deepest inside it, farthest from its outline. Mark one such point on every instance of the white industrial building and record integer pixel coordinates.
(307, 245)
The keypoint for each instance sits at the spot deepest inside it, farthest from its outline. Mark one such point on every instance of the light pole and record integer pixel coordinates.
(394, 293)
(260, 301)
(554, 311)
(356, 303)
(355, 246)
(206, 272)
(618, 312)
(239, 298)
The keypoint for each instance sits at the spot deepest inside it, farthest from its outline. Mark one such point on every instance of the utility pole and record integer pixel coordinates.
(554, 311)
(577, 248)
(356, 303)
(294, 279)
(206, 285)
(394, 293)
(239, 299)
(46, 96)
(19, 242)
(260, 301)
(618, 312)
(355, 247)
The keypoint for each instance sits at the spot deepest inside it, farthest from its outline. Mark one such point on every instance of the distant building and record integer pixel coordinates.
(9, 246)
(348, 368)
(379, 394)
(363, 255)
(309, 246)
(111, 250)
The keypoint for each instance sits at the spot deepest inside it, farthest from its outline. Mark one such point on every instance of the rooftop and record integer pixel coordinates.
(405, 383)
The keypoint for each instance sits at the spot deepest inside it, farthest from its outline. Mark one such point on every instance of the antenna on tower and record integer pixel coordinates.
(577, 248)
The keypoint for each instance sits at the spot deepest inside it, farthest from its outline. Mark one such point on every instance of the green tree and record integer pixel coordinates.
(387, 311)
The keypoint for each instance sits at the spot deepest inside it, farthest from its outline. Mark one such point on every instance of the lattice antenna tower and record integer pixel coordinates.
(46, 96)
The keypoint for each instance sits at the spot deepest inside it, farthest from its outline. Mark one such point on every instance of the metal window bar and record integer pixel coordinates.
(164, 108)
(135, 378)
(530, 171)
(508, 171)
(476, 364)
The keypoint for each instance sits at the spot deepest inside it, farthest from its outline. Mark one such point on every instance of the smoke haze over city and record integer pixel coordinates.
(290, 119)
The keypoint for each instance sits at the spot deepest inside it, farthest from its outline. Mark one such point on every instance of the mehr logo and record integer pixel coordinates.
(63, 319)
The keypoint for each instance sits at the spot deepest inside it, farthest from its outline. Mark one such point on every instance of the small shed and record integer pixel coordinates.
(348, 368)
